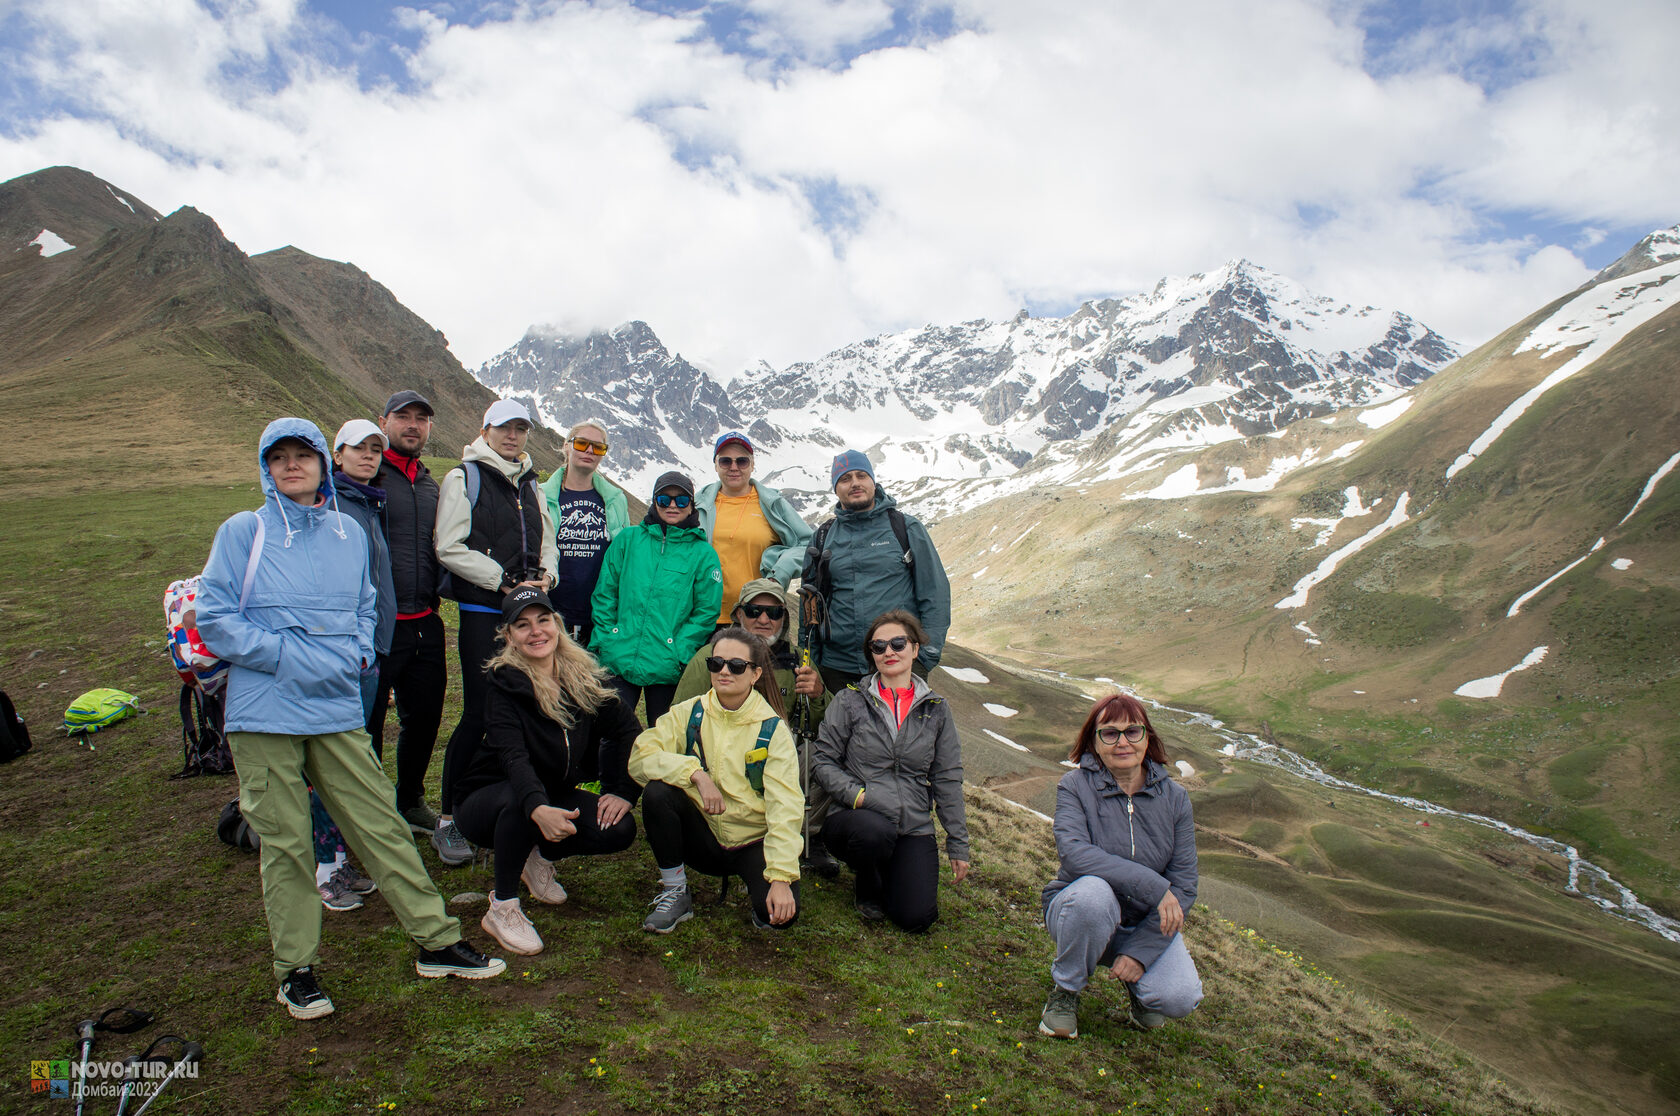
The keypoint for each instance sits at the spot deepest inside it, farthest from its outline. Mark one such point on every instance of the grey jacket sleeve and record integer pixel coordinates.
(1182, 872)
(828, 757)
(933, 593)
(948, 787)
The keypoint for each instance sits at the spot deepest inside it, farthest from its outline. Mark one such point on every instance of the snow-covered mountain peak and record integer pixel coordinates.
(1229, 353)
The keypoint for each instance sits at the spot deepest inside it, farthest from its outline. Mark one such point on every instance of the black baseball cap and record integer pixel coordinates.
(521, 598)
(404, 398)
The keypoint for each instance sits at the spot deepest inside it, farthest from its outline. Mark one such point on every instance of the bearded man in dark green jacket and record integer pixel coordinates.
(863, 568)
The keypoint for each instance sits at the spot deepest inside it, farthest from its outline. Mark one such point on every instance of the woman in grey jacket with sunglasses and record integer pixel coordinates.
(888, 753)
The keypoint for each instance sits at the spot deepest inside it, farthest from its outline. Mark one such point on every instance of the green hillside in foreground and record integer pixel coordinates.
(117, 891)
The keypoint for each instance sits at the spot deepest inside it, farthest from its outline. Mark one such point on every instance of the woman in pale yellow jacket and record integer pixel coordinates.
(723, 793)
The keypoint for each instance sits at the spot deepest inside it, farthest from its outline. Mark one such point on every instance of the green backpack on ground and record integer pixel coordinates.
(98, 708)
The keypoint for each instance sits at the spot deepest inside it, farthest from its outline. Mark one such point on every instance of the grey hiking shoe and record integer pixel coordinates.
(336, 897)
(354, 880)
(421, 818)
(452, 848)
(1061, 1014)
(671, 906)
(1138, 1017)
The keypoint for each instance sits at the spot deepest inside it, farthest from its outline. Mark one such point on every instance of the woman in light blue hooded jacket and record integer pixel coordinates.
(296, 624)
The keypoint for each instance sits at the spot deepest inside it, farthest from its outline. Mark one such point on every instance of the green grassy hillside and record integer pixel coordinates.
(118, 891)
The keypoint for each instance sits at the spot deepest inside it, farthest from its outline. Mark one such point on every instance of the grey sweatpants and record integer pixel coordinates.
(1084, 922)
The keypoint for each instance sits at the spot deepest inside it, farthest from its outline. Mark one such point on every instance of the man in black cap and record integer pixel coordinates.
(415, 668)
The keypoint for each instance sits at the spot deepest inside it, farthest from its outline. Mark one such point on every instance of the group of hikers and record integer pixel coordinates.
(325, 603)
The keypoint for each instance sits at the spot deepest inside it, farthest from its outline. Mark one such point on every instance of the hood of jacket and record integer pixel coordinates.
(480, 451)
(293, 515)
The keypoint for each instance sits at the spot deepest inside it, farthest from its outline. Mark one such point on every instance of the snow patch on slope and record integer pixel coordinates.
(1595, 322)
(1490, 686)
(51, 244)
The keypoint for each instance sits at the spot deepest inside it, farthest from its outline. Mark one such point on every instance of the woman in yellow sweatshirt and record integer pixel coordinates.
(723, 791)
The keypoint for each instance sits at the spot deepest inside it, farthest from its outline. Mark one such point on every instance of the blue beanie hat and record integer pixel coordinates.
(845, 462)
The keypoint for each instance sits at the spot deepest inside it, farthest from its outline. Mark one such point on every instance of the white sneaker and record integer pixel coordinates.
(506, 922)
(538, 875)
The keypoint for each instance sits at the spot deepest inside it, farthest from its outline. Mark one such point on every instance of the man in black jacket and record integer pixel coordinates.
(415, 668)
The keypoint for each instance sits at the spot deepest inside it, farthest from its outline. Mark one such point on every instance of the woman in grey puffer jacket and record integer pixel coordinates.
(888, 754)
(1127, 843)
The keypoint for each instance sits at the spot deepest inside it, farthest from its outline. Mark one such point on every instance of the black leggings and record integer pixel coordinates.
(476, 642)
(658, 695)
(415, 669)
(899, 873)
(679, 834)
(490, 816)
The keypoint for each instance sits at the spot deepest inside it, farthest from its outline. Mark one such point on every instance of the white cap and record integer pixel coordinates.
(357, 431)
(504, 411)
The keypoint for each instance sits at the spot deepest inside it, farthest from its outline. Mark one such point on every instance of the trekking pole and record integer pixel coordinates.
(131, 1074)
(128, 1021)
(192, 1053)
(84, 1034)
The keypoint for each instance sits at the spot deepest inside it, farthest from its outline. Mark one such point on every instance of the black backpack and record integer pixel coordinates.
(204, 746)
(234, 830)
(14, 734)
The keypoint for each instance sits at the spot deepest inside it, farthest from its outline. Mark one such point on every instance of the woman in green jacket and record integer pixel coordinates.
(659, 592)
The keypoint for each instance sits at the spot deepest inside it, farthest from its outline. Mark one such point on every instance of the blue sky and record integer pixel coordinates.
(770, 179)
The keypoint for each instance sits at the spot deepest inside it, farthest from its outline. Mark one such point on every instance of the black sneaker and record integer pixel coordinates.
(459, 960)
(870, 911)
(821, 861)
(302, 996)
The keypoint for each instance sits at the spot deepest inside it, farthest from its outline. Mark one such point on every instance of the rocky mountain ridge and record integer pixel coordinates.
(1233, 353)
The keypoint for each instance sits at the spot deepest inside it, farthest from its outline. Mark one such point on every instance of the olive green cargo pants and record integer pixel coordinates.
(275, 774)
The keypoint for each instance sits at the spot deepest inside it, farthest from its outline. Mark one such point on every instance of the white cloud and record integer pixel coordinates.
(584, 165)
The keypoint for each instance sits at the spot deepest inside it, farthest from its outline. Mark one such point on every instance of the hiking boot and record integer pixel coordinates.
(869, 910)
(1138, 1017)
(1061, 1014)
(458, 960)
(421, 818)
(821, 861)
(302, 996)
(336, 897)
(452, 848)
(671, 906)
(538, 875)
(506, 922)
(353, 880)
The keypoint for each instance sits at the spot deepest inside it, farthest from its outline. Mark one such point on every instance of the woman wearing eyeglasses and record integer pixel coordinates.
(1127, 844)
(587, 513)
(754, 530)
(722, 789)
(657, 597)
(888, 754)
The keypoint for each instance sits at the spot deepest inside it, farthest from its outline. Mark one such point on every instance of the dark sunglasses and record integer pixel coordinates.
(734, 462)
(585, 445)
(897, 643)
(1108, 734)
(753, 612)
(681, 499)
(736, 666)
